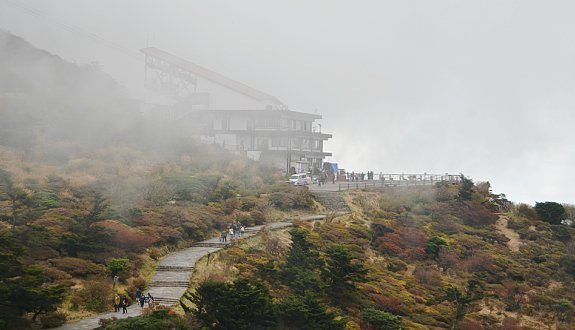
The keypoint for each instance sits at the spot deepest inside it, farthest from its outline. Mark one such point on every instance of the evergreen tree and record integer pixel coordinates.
(340, 273)
(551, 212)
(23, 289)
(374, 319)
(300, 272)
(306, 312)
(240, 305)
(433, 245)
(465, 188)
(17, 197)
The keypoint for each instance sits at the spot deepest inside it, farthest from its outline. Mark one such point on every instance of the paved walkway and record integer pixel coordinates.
(172, 275)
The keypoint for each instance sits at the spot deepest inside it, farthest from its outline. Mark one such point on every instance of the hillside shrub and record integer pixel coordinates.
(374, 319)
(46, 200)
(78, 267)
(560, 233)
(406, 242)
(447, 259)
(427, 276)
(139, 283)
(96, 295)
(512, 294)
(567, 262)
(230, 205)
(126, 237)
(224, 190)
(292, 199)
(306, 312)
(526, 211)
(52, 319)
(258, 217)
(248, 203)
(396, 265)
(158, 319)
(433, 245)
(476, 263)
(55, 274)
(510, 323)
(391, 304)
(379, 229)
(475, 214)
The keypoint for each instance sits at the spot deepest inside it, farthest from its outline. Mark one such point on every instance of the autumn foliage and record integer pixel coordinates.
(405, 241)
(126, 237)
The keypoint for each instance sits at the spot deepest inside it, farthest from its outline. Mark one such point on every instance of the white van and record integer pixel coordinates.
(300, 179)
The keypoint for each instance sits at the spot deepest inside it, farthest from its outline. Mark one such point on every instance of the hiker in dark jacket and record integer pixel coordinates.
(124, 305)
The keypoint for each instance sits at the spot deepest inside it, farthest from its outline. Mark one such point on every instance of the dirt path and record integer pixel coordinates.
(514, 240)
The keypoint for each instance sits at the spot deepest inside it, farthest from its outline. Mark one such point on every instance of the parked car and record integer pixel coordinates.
(300, 179)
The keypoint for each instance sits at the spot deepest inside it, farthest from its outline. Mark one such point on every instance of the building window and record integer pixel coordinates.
(263, 144)
(272, 123)
(305, 143)
(279, 142)
(225, 124)
(296, 142)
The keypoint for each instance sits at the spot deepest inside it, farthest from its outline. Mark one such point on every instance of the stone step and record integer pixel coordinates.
(174, 268)
(331, 201)
(170, 284)
(166, 301)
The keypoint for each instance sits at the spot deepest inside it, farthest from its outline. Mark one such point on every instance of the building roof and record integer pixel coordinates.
(263, 112)
(210, 75)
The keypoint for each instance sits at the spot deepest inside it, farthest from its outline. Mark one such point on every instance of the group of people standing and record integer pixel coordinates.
(122, 302)
(359, 176)
(236, 230)
(325, 177)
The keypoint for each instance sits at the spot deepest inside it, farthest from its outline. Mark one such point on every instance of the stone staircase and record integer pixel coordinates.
(170, 284)
(332, 201)
(171, 279)
(174, 268)
(166, 301)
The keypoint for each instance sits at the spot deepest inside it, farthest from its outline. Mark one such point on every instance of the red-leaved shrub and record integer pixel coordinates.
(126, 237)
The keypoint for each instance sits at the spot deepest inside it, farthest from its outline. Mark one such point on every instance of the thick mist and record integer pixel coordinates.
(479, 87)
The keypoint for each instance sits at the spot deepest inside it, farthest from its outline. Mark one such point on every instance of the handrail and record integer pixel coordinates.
(406, 180)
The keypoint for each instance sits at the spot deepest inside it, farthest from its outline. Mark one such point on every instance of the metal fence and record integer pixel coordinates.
(399, 180)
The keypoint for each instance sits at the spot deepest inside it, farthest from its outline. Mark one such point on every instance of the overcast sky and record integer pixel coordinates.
(486, 88)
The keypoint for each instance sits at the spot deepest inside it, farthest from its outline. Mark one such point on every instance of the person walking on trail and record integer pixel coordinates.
(124, 305)
(242, 230)
(150, 299)
(142, 301)
(117, 303)
(231, 231)
(236, 229)
(224, 236)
